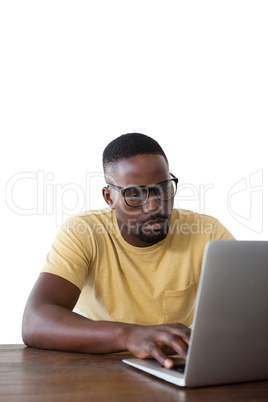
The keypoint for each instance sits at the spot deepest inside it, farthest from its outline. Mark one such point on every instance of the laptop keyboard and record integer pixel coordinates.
(179, 367)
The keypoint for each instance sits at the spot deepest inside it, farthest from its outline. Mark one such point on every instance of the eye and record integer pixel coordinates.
(164, 187)
(134, 192)
(165, 190)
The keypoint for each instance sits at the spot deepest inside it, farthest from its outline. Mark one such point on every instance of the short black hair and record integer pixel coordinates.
(127, 145)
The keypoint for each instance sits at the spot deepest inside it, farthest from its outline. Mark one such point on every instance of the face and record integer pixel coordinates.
(148, 224)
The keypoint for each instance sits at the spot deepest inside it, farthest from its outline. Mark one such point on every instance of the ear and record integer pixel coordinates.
(107, 196)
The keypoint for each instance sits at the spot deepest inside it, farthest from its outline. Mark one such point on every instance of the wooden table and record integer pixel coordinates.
(28, 374)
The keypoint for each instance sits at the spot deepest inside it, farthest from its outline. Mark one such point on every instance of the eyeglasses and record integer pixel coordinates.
(137, 196)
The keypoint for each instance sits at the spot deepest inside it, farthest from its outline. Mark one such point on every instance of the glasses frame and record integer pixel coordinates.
(152, 188)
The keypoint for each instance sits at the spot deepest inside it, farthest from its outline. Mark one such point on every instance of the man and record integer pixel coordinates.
(132, 269)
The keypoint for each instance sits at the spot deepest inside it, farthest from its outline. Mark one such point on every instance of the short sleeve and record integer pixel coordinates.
(70, 252)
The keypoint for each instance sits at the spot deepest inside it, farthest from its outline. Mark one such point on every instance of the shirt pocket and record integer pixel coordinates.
(179, 305)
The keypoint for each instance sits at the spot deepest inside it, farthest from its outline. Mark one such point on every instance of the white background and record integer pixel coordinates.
(76, 74)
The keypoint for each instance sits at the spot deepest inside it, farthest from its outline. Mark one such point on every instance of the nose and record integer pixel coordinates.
(153, 204)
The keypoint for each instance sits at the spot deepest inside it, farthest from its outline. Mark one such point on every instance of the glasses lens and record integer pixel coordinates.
(136, 196)
(165, 190)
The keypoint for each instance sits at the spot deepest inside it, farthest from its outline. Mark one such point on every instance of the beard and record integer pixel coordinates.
(153, 235)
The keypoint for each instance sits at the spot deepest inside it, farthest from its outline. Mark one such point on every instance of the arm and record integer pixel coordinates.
(49, 323)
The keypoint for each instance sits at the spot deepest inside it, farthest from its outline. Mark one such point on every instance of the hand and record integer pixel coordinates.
(159, 341)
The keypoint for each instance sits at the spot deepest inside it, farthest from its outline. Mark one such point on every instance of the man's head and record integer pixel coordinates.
(131, 161)
(126, 146)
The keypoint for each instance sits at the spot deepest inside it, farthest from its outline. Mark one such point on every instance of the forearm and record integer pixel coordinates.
(49, 323)
(57, 328)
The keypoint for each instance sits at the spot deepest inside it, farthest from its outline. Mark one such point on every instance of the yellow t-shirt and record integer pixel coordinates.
(142, 285)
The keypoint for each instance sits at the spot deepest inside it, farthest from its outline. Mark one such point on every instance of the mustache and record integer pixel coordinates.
(154, 217)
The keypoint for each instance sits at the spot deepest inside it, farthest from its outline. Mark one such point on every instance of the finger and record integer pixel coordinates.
(174, 341)
(179, 345)
(182, 331)
(155, 351)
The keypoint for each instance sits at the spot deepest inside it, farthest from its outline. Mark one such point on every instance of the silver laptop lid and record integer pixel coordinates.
(229, 342)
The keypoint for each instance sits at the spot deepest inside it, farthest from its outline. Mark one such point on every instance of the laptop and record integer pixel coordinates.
(229, 339)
